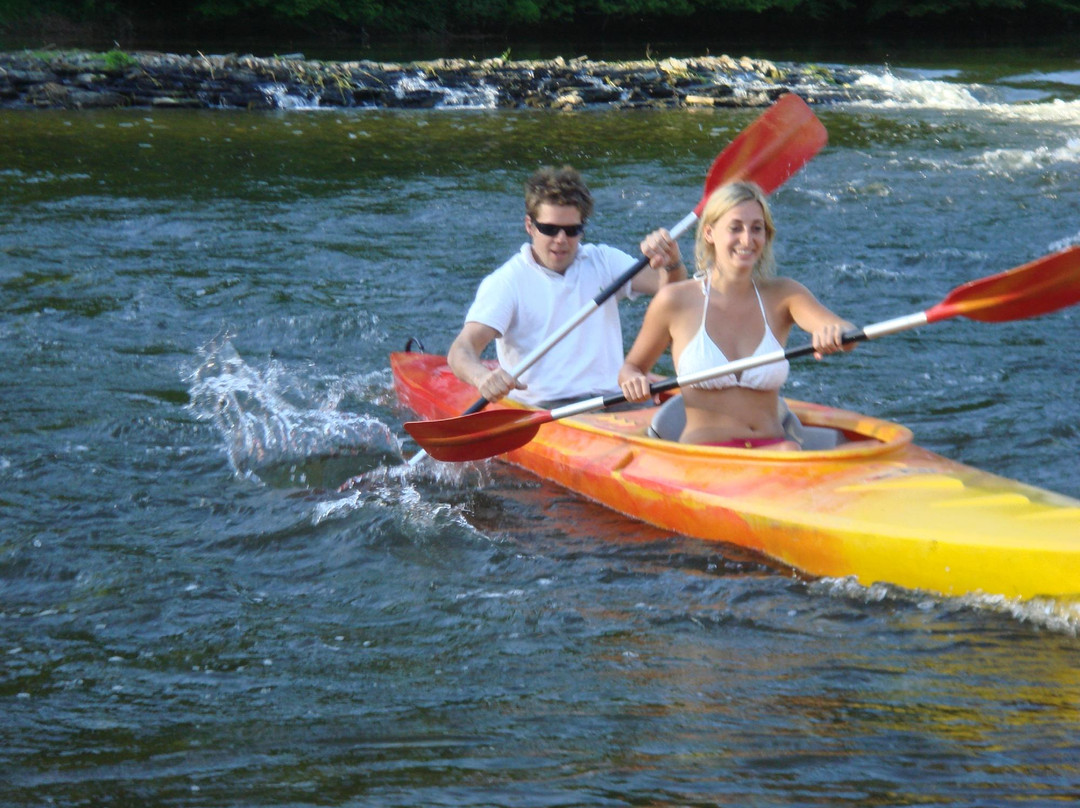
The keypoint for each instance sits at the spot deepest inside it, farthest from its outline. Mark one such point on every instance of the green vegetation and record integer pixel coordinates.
(117, 60)
(441, 17)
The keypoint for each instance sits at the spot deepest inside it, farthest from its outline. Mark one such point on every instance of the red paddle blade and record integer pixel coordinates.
(479, 435)
(1040, 287)
(769, 150)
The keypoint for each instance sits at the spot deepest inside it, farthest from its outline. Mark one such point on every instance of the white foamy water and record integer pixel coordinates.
(281, 98)
(885, 89)
(1055, 111)
(1009, 160)
(266, 422)
(1051, 614)
(478, 96)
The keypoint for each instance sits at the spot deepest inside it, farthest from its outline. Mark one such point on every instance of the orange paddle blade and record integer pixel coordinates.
(1042, 286)
(479, 435)
(772, 148)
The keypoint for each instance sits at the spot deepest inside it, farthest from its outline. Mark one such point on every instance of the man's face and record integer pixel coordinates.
(556, 252)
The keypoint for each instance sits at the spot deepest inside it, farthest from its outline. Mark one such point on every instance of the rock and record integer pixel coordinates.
(604, 94)
(93, 99)
(570, 99)
(24, 78)
(171, 102)
(48, 94)
(163, 80)
(414, 99)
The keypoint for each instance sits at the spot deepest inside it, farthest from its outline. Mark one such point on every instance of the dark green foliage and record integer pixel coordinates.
(11, 10)
(487, 16)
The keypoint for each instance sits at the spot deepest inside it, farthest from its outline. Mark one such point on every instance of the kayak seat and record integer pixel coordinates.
(670, 419)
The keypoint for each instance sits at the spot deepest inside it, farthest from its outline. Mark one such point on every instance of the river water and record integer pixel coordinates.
(197, 312)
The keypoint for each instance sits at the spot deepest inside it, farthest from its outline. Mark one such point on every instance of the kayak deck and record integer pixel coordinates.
(877, 507)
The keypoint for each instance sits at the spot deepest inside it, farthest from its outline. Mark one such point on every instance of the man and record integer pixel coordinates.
(542, 287)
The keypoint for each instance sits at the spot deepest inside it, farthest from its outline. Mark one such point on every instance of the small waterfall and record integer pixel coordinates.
(282, 96)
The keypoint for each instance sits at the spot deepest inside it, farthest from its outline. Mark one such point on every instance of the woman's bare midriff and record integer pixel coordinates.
(715, 416)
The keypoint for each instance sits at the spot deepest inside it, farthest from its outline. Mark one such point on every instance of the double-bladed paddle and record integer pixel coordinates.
(1042, 286)
(770, 150)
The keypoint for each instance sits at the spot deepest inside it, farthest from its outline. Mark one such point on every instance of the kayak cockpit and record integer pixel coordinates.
(812, 426)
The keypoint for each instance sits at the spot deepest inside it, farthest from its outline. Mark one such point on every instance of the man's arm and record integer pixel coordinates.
(665, 263)
(464, 359)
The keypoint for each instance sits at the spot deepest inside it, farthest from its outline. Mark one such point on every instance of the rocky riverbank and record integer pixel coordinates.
(79, 80)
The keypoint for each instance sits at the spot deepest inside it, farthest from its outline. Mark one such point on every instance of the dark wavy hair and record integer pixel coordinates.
(557, 186)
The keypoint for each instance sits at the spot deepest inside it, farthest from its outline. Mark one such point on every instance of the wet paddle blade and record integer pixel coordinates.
(476, 436)
(769, 150)
(1040, 287)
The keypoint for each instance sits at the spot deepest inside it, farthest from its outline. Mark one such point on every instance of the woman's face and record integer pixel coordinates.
(738, 237)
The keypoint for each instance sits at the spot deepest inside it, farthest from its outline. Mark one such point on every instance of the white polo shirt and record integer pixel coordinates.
(526, 302)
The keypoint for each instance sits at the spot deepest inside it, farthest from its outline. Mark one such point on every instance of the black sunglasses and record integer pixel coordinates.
(571, 230)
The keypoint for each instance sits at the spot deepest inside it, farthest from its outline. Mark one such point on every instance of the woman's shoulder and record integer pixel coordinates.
(782, 295)
(679, 293)
(780, 287)
(781, 282)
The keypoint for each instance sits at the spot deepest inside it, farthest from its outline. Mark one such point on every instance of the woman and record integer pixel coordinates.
(732, 308)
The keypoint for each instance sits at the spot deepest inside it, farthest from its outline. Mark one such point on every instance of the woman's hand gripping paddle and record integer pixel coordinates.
(1048, 284)
(769, 151)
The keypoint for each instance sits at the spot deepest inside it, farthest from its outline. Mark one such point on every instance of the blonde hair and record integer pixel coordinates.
(720, 202)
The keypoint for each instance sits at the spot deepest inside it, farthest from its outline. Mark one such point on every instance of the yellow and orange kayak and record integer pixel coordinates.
(876, 507)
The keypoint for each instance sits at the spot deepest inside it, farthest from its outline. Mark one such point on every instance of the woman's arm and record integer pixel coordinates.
(652, 339)
(826, 328)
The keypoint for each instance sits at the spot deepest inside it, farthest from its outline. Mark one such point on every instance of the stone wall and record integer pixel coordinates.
(78, 80)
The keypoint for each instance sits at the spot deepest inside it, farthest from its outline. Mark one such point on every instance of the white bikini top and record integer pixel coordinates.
(701, 353)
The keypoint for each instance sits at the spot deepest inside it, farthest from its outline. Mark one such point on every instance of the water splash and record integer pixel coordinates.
(475, 96)
(1065, 243)
(1057, 615)
(280, 96)
(887, 90)
(1007, 161)
(929, 90)
(277, 431)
